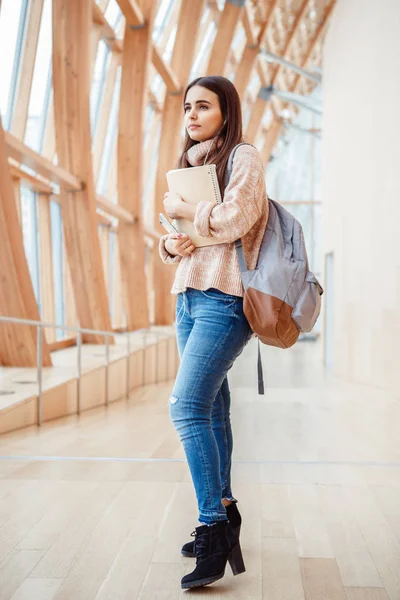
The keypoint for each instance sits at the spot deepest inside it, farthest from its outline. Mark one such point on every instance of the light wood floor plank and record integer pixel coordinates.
(351, 552)
(281, 577)
(127, 573)
(365, 594)
(37, 589)
(381, 542)
(62, 555)
(387, 498)
(321, 579)
(57, 518)
(162, 581)
(310, 527)
(14, 569)
(27, 505)
(277, 520)
(180, 520)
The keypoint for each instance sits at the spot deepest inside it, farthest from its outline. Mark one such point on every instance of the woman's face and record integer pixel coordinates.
(203, 117)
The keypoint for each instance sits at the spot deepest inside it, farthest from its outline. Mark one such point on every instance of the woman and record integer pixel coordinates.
(211, 327)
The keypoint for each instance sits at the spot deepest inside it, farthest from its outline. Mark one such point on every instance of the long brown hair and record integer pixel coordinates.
(230, 134)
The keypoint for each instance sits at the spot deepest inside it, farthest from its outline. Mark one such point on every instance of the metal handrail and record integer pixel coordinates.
(79, 331)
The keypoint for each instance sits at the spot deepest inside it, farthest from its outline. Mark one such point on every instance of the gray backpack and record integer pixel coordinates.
(282, 298)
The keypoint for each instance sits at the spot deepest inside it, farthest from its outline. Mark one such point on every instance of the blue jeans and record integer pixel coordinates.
(211, 331)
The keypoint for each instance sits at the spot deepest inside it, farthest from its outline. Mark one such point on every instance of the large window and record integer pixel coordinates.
(111, 137)
(30, 231)
(161, 19)
(13, 20)
(113, 14)
(100, 72)
(58, 265)
(41, 84)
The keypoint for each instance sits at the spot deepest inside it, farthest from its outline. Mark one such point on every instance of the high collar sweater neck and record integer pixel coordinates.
(197, 153)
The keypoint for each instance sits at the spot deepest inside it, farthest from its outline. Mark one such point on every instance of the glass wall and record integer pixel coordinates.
(12, 32)
(57, 245)
(30, 232)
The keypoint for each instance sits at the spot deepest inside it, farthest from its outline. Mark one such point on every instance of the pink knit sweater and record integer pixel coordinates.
(243, 214)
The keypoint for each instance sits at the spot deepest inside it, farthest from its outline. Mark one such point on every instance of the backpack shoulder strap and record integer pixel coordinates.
(228, 171)
(243, 266)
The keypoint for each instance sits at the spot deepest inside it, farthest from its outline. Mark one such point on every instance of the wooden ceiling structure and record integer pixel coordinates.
(200, 37)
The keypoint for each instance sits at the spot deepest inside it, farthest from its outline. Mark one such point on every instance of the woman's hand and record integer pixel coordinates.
(176, 208)
(179, 244)
(173, 205)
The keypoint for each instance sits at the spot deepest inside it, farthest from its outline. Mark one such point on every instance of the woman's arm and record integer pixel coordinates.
(243, 200)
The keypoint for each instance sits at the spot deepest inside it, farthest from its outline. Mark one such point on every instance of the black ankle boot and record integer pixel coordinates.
(215, 546)
(234, 519)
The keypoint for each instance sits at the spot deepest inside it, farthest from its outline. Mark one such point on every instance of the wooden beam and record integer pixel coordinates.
(306, 57)
(47, 192)
(30, 181)
(250, 54)
(268, 20)
(136, 62)
(20, 113)
(248, 27)
(314, 41)
(71, 77)
(270, 140)
(164, 70)
(182, 58)
(291, 36)
(29, 158)
(17, 299)
(110, 38)
(108, 33)
(260, 104)
(116, 210)
(132, 12)
(229, 20)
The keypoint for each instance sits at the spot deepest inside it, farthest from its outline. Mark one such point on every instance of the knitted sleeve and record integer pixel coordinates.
(243, 200)
(166, 257)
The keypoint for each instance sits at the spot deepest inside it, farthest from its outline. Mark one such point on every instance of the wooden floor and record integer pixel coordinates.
(96, 507)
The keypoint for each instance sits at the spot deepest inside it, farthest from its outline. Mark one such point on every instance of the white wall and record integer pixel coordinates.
(361, 187)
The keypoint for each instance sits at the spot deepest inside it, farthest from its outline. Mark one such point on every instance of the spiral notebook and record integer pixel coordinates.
(194, 185)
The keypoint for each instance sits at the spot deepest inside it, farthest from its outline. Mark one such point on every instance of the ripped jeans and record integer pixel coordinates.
(211, 332)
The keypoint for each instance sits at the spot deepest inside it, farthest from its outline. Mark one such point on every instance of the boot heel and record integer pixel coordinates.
(236, 560)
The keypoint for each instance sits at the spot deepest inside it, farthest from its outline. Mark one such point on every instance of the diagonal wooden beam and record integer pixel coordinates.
(165, 71)
(108, 33)
(132, 12)
(17, 298)
(136, 62)
(72, 81)
(115, 210)
(248, 27)
(292, 35)
(229, 19)
(260, 104)
(251, 52)
(311, 45)
(319, 33)
(17, 150)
